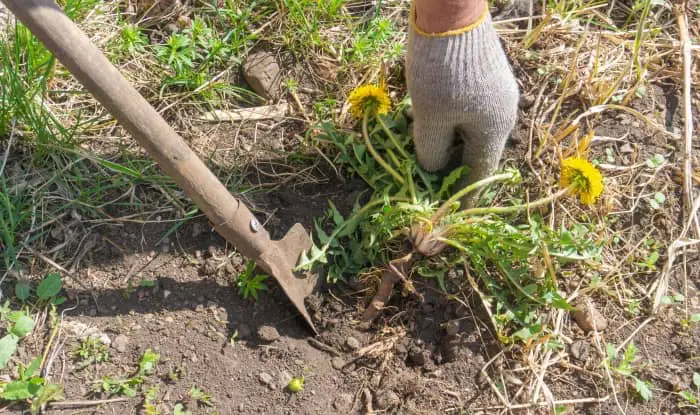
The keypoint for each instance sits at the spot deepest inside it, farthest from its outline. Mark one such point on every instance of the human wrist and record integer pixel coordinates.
(442, 16)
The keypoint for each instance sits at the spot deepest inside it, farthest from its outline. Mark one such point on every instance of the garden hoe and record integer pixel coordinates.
(229, 216)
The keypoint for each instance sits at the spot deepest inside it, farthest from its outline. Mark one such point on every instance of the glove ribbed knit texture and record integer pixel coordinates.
(460, 81)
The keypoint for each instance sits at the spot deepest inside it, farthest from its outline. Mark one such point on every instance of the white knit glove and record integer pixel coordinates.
(460, 81)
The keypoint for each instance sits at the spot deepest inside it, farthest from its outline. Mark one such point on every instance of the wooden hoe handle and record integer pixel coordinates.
(71, 46)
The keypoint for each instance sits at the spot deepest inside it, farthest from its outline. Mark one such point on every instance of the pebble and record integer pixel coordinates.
(338, 363)
(352, 343)
(169, 319)
(267, 379)
(120, 342)
(241, 407)
(262, 72)
(579, 350)
(166, 294)
(268, 333)
(387, 399)
(452, 328)
(588, 317)
(285, 377)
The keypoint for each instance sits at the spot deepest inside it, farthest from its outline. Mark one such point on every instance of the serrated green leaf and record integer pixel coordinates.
(643, 388)
(451, 179)
(610, 351)
(49, 286)
(22, 290)
(23, 325)
(29, 372)
(8, 347)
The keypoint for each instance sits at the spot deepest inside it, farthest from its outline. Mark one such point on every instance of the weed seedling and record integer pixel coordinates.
(130, 386)
(30, 388)
(623, 367)
(199, 396)
(91, 350)
(249, 284)
(691, 397)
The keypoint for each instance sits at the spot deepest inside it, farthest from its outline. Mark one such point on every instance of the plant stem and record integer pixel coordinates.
(376, 155)
(516, 208)
(393, 139)
(411, 185)
(442, 211)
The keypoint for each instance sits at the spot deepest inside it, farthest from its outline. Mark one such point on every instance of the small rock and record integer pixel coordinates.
(265, 378)
(199, 308)
(579, 350)
(243, 331)
(120, 342)
(148, 316)
(166, 294)
(526, 101)
(338, 363)
(285, 377)
(169, 319)
(387, 399)
(626, 148)
(268, 333)
(241, 407)
(343, 403)
(418, 356)
(262, 72)
(352, 343)
(588, 317)
(452, 328)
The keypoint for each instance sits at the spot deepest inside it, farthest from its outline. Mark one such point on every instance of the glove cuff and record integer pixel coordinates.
(454, 32)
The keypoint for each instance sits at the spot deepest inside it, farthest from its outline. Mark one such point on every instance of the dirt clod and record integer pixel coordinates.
(352, 343)
(268, 333)
(387, 399)
(262, 72)
(418, 356)
(266, 379)
(120, 342)
(338, 363)
(588, 317)
(343, 403)
(579, 350)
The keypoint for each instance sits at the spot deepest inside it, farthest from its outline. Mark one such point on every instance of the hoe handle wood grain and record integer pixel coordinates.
(231, 218)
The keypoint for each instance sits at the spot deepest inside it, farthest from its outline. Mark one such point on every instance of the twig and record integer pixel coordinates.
(72, 404)
(634, 333)
(7, 150)
(323, 346)
(661, 284)
(534, 404)
(687, 115)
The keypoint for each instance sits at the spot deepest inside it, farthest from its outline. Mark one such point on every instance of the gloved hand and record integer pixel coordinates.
(460, 81)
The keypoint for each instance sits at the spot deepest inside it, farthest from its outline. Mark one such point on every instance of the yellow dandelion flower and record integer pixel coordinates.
(585, 177)
(369, 99)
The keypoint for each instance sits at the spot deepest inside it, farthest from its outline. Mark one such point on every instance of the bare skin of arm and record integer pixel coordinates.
(437, 16)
